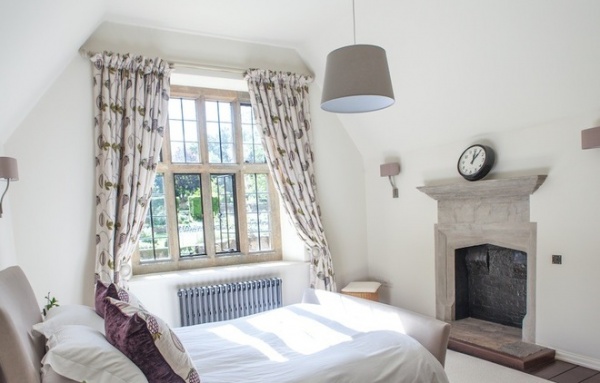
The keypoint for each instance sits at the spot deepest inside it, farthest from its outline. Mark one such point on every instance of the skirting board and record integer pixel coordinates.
(579, 360)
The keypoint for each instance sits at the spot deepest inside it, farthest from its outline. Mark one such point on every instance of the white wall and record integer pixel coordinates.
(53, 203)
(55, 230)
(48, 33)
(341, 185)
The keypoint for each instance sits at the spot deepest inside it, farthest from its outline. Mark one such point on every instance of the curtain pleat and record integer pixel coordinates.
(131, 95)
(281, 105)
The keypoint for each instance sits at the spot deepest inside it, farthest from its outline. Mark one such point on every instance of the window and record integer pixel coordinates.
(213, 201)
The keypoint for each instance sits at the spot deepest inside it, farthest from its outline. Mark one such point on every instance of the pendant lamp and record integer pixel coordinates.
(357, 78)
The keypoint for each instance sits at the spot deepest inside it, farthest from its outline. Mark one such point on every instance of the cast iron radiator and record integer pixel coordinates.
(204, 304)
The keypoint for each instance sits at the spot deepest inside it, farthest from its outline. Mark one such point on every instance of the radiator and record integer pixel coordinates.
(204, 304)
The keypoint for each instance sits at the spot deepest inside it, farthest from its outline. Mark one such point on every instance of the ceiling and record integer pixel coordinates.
(287, 23)
(462, 69)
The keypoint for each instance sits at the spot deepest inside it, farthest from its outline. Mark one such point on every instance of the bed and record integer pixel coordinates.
(329, 337)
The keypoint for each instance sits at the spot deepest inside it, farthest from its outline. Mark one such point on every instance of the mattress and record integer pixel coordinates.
(306, 343)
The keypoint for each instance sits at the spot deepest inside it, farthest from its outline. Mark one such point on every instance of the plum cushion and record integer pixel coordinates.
(149, 342)
(114, 291)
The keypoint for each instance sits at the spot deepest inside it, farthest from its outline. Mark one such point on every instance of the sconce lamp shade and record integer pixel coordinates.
(389, 169)
(590, 138)
(8, 169)
(357, 80)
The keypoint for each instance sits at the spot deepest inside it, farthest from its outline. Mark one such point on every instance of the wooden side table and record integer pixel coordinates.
(365, 290)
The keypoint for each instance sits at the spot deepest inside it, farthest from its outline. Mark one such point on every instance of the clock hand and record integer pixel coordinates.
(475, 156)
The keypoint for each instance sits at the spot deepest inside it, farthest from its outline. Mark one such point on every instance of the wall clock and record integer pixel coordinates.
(476, 162)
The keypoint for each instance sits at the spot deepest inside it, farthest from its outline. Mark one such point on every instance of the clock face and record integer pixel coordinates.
(475, 162)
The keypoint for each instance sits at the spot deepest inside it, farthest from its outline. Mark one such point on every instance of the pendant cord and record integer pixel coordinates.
(354, 21)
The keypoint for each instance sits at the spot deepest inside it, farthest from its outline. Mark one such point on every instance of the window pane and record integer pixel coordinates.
(224, 112)
(247, 134)
(227, 154)
(253, 149)
(225, 217)
(174, 109)
(258, 212)
(192, 153)
(191, 131)
(247, 114)
(212, 112)
(212, 131)
(183, 131)
(190, 219)
(177, 152)
(175, 130)
(154, 242)
(259, 154)
(189, 109)
(220, 133)
(214, 152)
(226, 133)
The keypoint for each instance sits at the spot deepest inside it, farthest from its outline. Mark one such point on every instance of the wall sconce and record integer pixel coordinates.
(9, 172)
(389, 170)
(590, 138)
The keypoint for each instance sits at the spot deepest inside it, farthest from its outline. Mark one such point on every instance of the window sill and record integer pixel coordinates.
(250, 268)
(200, 263)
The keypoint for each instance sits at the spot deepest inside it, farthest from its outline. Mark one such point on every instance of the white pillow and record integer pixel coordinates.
(83, 354)
(60, 316)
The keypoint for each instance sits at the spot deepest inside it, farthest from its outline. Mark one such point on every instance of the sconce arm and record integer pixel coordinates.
(3, 194)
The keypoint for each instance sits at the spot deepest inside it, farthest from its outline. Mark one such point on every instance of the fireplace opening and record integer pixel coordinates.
(491, 284)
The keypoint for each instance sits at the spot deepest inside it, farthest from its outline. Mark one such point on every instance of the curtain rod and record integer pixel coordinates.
(182, 64)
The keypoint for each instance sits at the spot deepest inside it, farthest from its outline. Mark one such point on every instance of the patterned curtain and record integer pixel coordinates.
(281, 106)
(131, 95)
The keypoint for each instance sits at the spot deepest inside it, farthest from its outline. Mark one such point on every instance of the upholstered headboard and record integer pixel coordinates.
(20, 351)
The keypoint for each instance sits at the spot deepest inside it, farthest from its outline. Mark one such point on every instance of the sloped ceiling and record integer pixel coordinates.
(462, 69)
(37, 40)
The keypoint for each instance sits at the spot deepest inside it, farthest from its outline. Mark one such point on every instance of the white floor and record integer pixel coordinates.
(463, 368)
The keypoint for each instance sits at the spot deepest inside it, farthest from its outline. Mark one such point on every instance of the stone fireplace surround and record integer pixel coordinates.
(484, 212)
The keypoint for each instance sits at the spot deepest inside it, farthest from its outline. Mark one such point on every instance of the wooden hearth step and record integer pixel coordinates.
(497, 343)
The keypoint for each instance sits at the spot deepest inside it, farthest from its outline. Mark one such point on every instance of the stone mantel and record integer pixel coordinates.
(484, 212)
(509, 187)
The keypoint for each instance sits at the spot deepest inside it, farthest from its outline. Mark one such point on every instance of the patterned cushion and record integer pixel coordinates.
(148, 342)
(112, 291)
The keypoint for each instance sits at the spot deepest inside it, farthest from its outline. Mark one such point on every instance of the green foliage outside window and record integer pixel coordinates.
(195, 205)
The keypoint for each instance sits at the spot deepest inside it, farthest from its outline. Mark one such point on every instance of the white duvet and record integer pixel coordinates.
(303, 343)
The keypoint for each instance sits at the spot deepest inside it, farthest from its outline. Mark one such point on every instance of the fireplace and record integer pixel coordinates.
(484, 213)
(491, 284)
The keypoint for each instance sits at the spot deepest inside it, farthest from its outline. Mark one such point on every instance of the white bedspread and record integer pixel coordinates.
(301, 343)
